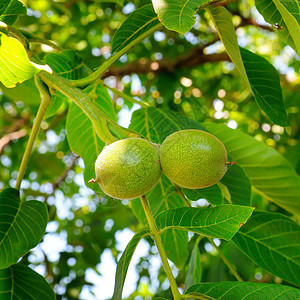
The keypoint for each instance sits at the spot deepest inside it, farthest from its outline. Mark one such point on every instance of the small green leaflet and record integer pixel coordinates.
(242, 290)
(10, 10)
(212, 194)
(15, 67)
(124, 261)
(20, 282)
(194, 271)
(139, 22)
(22, 226)
(178, 15)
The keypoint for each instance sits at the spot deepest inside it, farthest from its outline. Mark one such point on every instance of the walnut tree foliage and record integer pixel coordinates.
(77, 75)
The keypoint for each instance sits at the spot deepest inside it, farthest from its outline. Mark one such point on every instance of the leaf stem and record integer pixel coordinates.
(94, 76)
(119, 93)
(180, 193)
(226, 261)
(45, 96)
(16, 33)
(160, 248)
(82, 99)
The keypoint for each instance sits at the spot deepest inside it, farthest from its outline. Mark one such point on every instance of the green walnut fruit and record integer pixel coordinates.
(193, 159)
(128, 168)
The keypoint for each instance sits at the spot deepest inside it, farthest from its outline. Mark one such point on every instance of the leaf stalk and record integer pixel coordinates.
(45, 96)
(94, 76)
(160, 247)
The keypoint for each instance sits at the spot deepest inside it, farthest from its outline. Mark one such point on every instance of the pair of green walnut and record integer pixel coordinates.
(129, 168)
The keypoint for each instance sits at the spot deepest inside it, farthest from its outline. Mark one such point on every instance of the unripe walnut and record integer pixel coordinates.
(129, 168)
(193, 159)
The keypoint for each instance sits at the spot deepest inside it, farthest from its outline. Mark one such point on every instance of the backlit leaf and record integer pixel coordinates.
(14, 63)
(124, 261)
(177, 15)
(194, 271)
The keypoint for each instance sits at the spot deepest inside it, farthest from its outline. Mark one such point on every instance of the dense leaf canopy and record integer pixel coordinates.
(117, 69)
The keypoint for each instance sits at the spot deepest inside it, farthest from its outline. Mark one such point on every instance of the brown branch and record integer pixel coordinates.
(143, 66)
(63, 176)
(17, 124)
(5, 140)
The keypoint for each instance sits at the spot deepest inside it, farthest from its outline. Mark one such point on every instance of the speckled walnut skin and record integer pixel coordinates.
(193, 159)
(128, 168)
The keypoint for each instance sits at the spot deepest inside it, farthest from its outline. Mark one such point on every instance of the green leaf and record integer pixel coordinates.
(138, 22)
(156, 124)
(262, 77)
(177, 15)
(290, 12)
(124, 261)
(265, 85)
(238, 185)
(269, 172)
(21, 282)
(27, 92)
(218, 222)
(175, 241)
(243, 290)
(22, 226)
(194, 271)
(272, 241)
(82, 136)
(67, 64)
(212, 194)
(14, 63)
(10, 10)
(285, 14)
(223, 23)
